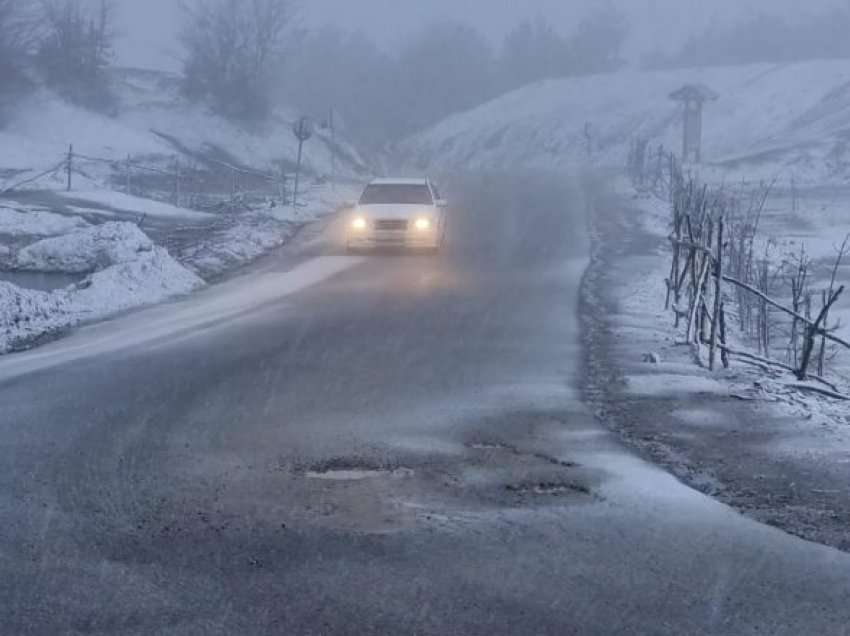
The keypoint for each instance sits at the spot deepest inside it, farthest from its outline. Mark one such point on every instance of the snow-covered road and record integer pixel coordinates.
(160, 472)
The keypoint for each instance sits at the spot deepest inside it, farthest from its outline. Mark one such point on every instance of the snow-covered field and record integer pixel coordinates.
(786, 121)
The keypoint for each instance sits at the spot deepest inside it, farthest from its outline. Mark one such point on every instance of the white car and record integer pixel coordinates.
(407, 213)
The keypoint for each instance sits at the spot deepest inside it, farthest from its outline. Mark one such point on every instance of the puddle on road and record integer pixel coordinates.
(349, 475)
(549, 488)
(353, 469)
(485, 446)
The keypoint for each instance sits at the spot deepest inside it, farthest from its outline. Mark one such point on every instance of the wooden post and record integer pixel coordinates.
(718, 291)
(297, 173)
(70, 166)
(674, 268)
(127, 175)
(822, 352)
(724, 353)
(812, 331)
(693, 331)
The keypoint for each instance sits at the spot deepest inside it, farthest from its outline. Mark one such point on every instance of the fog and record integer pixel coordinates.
(469, 52)
(150, 28)
(485, 317)
(387, 69)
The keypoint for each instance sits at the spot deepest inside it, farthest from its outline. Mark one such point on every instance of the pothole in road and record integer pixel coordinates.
(549, 488)
(489, 446)
(356, 474)
(352, 469)
(499, 446)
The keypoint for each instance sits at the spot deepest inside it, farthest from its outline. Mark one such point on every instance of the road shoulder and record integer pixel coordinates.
(782, 464)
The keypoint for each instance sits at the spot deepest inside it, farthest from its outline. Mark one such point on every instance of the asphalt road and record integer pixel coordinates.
(388, 444)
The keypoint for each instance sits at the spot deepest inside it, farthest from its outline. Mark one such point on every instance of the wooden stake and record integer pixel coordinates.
(70, 166)
(718, 280)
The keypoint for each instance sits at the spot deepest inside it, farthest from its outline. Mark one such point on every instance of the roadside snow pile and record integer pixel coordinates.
(132, 272)
(85, 250)
(770, 119)
(17, 223)
(28, 315)
(151, 277)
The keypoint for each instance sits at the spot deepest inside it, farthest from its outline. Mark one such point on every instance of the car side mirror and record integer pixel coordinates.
(347, 205)
(441, 203)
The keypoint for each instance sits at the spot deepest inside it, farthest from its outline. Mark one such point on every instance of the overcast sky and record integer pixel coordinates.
(148, 27)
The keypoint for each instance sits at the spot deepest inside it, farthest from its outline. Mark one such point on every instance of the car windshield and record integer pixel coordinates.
(399, 194)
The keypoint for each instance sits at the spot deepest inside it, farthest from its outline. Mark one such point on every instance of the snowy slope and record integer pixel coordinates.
(770, 120)
(154, 123)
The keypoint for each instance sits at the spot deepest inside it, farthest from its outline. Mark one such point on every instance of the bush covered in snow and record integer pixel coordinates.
(25, 315)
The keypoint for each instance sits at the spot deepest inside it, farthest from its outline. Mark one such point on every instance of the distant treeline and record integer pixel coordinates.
(245, 58)
(764, 38)
(441, 68)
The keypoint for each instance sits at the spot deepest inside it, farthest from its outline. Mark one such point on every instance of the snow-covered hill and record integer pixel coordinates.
(152, 122)
(770, 120)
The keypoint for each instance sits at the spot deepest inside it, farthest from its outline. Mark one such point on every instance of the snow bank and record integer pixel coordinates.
(151, 277)
(26, 315)
(786, 119)
(36, 223)
(132, 272)
(85, 250)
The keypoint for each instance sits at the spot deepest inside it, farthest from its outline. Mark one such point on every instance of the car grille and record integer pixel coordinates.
(393, 225)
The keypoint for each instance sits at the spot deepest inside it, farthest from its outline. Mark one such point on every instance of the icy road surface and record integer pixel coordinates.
(388, 444)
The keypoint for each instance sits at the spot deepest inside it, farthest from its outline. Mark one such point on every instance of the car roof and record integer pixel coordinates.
(399, 181)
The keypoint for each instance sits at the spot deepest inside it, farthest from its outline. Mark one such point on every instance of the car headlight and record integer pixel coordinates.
(422, 224)
(359, 223)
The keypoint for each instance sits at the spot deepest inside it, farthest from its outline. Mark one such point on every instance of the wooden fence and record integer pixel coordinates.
(715, 275)
(192, 184)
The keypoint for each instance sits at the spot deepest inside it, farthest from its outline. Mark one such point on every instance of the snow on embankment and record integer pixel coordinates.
(154, 123)
(770, 120)
(129, 271)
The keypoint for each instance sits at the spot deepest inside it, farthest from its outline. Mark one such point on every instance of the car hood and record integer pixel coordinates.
(396, 211)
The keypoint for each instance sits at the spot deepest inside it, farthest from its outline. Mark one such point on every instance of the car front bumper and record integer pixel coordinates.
(400, 239)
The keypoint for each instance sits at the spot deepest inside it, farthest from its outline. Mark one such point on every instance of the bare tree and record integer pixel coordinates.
(75, 48)
(16, 42)
(231, 50)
